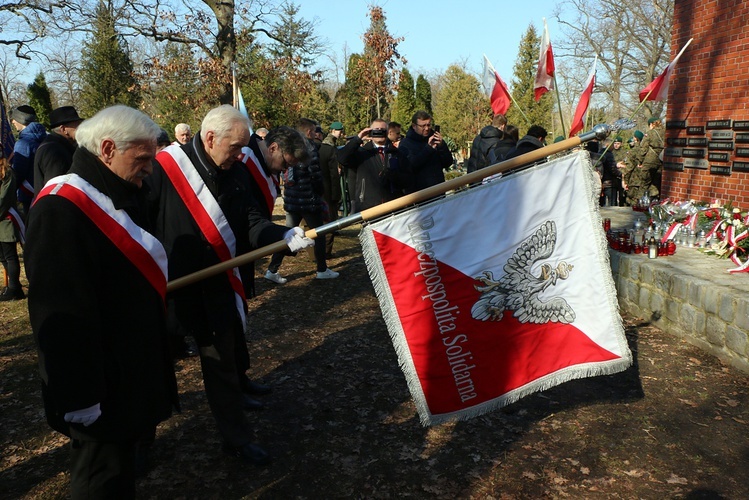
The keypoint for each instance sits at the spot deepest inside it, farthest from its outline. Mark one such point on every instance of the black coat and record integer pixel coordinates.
(53, 157)
(376, 181)
(207, 306)
(99, 324)
(482, 144)
(303, 186)
(427, 163)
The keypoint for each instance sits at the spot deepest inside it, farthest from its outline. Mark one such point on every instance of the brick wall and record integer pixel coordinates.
(709, 83)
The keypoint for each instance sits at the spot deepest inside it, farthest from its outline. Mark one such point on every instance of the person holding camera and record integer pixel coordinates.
(381, 171)
(427, 153)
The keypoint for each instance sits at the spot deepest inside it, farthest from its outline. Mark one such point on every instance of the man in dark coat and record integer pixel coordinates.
(107, 378)
(31, 133)
(55, 154)
(204, 214)
(426, 152)
(381, 170)
(331, 178)
(488, 139)
(534, 139)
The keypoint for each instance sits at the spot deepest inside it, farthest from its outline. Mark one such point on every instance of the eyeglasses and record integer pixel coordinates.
(424, 125)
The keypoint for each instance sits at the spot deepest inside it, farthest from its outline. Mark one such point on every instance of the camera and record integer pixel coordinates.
(436, 128)
(378, 132)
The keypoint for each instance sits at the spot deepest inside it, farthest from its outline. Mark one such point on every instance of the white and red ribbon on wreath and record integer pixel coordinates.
(732, 240)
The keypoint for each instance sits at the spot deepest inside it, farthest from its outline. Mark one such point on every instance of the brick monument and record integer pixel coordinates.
(707, 120)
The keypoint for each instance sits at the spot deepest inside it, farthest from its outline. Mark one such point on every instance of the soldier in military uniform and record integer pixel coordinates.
(649, 155)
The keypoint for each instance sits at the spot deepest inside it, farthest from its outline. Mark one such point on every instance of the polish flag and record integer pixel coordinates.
(490, 294)
(545, 72)
(578, 121)
(658, 88)
(499, 95)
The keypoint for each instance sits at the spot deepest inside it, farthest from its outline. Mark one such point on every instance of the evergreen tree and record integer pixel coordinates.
(404, 105)
(524, 76)
(459, 106)
(423, 95)
(106, 69)
(357, 111)
(40, 98)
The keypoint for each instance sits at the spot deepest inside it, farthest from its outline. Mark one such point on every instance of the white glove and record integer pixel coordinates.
(296, 239)
(87, 416)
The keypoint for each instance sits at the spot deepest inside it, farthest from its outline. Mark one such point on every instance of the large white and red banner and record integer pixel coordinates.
(496, 292)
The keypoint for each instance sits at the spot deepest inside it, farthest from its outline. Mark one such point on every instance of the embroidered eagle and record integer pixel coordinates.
(519, 290)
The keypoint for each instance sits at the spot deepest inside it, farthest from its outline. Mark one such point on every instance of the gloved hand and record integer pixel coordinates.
(296, 240)
(86, 416)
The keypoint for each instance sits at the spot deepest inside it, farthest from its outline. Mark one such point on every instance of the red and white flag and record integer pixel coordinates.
(578, 121)
(499, 94)
(492, 293)
(658, 88)
(545, 72)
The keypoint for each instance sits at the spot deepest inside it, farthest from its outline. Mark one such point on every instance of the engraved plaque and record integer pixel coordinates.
(676, 167)
(672, 152)
(742, 151)
(720, 170)
(720, 135)
(741, 125)
(738, 166)
(676, 141)
(693, 163)
(723, 146)
(713, 124)
(742, 138)
(693, 153)
(695, 130)
(711, 156)
(697, 141)
(676, 124)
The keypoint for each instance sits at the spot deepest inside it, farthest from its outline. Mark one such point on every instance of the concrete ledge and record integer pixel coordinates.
(690, 295)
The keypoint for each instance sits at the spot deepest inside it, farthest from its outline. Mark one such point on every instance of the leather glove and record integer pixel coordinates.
(86, 416)
(296, 240)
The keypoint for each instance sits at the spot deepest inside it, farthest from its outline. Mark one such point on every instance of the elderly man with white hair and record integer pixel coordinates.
(205, 213)
(97, 282)
(182, 133)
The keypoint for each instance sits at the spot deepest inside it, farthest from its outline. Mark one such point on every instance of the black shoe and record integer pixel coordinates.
(249, 403)
(11, 294)
(248, 452)
(256, 388)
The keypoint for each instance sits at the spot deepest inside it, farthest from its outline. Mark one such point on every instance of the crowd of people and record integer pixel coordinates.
(109, 210)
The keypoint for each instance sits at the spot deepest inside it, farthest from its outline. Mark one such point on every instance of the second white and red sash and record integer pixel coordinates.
(268, 184)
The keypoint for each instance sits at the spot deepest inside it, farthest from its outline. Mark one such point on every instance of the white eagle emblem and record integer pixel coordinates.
(518, 290)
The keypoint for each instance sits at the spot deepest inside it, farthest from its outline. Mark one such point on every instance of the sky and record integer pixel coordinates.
(437, 33)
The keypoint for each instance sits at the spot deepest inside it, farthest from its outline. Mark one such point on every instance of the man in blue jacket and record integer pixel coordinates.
(30, 134)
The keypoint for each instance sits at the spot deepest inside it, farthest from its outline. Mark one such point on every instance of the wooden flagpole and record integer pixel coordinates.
(599, 132)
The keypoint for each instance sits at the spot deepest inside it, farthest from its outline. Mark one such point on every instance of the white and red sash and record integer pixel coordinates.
(268, 184)
(206, 212)
(141, 248)
(17, 221)
(27, 189)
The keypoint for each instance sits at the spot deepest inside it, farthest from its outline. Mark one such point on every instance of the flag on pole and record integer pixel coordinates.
(6, 132)
(545, 72)
(658, 88)
(578, 121)
(491, 294)
(238, 101)
(499, 94)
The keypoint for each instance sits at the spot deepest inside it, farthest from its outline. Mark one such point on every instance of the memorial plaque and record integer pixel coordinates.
(676, 167)
(721, 145)
(676, 124)
(721, 135)
(676, 152)
(697, 141)
(676, 141)
(713, 124)
(738, 166)
(696, 130)
(717, 156)
(742, 152)
(720, 170)
(741, 125)
(742, 138)
(693, 153)
(692, 163)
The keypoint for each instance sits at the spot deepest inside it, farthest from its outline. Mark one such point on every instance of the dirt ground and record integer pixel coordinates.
(341, 423)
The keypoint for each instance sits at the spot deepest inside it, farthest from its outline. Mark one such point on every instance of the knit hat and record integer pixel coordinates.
(24, 114)
(63, 115)
(639, 135)
(336, 126)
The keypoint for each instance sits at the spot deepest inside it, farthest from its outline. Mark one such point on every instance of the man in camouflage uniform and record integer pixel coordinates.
(649, 155)
(635, 179)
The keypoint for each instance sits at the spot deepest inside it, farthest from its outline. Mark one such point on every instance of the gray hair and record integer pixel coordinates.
(121, 124)
(181, 127)
(221, 120)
